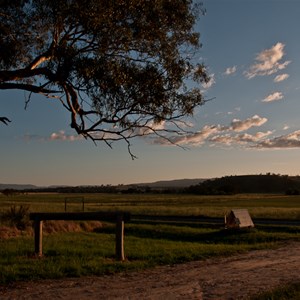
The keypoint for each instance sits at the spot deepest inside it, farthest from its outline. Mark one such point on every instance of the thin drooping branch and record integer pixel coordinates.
(5, 120)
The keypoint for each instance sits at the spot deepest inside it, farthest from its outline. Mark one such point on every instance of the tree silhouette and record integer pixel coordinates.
(119, 67)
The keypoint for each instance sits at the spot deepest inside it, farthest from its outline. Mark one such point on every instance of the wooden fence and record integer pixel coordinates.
(118, 217)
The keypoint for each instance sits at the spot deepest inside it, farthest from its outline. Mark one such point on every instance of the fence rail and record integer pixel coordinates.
(118, 217)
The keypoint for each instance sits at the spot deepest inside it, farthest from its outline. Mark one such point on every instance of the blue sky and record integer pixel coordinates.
(252, 125)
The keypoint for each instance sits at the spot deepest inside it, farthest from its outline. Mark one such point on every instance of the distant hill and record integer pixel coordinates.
(176, 183)
(268, 183)
(158, 185)
(4, 186)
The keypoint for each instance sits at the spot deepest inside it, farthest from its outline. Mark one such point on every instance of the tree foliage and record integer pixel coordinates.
(119, 67)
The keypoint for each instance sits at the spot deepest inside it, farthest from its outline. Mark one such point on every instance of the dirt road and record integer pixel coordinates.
(235, 277)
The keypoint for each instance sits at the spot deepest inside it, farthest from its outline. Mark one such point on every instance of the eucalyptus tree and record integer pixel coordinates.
(121, 68)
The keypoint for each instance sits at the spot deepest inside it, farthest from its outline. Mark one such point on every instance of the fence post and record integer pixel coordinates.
(38, 237)
(120, 238)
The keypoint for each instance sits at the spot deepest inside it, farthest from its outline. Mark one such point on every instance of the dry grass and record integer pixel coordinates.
(50, 227)
(70, 226)
(7, 232)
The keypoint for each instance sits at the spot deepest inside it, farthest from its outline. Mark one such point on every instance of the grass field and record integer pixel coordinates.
(92, 253)
(265, 206)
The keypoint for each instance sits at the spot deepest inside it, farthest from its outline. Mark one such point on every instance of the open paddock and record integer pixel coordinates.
(259, 205)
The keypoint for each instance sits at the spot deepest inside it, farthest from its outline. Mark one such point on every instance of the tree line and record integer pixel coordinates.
(262, 183)
(228, 185)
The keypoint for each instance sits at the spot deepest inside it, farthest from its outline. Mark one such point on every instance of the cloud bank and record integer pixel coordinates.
(236, 135)
(219, 133)
(288, 141)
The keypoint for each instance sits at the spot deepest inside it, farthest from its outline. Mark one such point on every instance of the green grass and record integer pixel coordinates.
(82, 253)
(146, 244)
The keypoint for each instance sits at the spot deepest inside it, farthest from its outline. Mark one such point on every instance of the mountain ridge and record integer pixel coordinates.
(180, 183)
(175, 183)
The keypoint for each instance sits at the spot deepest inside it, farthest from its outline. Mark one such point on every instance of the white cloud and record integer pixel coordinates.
(259, 135)
(62, 136)
(286, 127)
(268, 62)
(273, 97)
(235, 110)
(198, 137)
(230, 70)
(281, 77)
(55, 136)
(250, 138)
(225, 139)
(242, 125)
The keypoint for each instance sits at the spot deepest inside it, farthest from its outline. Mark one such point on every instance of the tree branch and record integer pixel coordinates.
(27, 87)
(4, 120)
(25, 73)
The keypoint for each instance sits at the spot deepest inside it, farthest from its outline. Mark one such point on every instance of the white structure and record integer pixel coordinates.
(238, 218)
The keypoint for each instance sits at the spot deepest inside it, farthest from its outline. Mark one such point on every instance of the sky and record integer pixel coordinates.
(251, 125)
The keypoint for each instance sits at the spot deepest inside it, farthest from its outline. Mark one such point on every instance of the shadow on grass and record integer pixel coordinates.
(206, 235)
